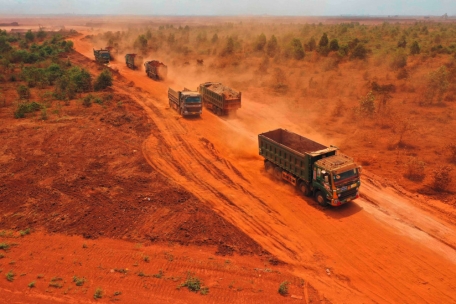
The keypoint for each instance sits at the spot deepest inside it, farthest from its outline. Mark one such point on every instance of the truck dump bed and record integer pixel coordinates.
(224, 91)
(292, 152)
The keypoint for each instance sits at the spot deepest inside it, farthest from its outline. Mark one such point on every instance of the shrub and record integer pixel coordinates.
(415, 169)
(98, 293)
(4, 246)
(399, 60)
(334, 45)
(437, 86)
(103, 81)
(78, 281)
(367, 104)
(359, 52)
(10, 276)
(31, 284)
(194, 284)
(283, 288)
(311, 45)
(296, 49)
(442, 178)
(272, 46)
(87, 101)
(23, 92)
(402, 43)
(260, 42)
(24, 232)
(26, 107)
(323, 40)
(415, 48)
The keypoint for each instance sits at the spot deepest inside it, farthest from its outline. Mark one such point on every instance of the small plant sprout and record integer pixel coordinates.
(98, 293)
(283, 288)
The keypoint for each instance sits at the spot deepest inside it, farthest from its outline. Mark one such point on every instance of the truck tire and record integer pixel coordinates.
(320, 198)
(277, 173)
(304, 189)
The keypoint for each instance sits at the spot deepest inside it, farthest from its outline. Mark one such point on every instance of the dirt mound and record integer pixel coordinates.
(83, 173)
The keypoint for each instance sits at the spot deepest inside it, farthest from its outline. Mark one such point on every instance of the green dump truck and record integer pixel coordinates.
(220, 99)
(156, 69)
(313, 168)
(186, 102)
(102, 55)
(130, 61)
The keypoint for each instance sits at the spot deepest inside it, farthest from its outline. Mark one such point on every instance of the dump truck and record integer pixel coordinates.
(102, 55)
(314, 169)
(219, 98)
(186, 102)
(130, 61)
(156, 69)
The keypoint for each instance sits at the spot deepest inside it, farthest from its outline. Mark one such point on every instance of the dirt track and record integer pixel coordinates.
(382, 248)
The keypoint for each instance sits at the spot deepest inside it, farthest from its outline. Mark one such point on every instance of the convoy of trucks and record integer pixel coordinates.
(156, 69)
(313, 168)
(185, 102)
(219, 98)
(102, 55)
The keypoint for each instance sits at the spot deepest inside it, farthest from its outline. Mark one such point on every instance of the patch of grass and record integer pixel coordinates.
(31, 284)
(283, 288)
(194, 284)
(4, 246)
(159, 274)
(146, 259)
(79, 281)
(10, 276)
(24, 232)
(121, 270)
(98, 293)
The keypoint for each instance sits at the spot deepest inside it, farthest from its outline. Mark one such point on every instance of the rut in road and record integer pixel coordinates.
(184, 160)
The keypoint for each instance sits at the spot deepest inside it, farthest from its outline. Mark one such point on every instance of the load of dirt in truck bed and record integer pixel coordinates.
(229, 93)
(294, 141)
(155, 63)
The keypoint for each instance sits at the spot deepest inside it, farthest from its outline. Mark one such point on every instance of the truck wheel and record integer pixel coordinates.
(321, 200)
(304, 189)
(278, 173)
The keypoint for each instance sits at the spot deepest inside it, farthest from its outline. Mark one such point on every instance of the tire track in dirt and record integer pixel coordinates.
(365, 255)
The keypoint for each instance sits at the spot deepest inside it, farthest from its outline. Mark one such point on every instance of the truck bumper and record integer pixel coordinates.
(336, 202)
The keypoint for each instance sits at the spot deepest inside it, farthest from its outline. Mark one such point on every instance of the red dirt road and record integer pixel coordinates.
(382, 248)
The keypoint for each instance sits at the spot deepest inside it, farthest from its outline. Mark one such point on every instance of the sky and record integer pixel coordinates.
(231, 7)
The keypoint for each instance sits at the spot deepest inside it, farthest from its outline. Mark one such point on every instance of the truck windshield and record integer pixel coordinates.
(341, 177)
(193, 100)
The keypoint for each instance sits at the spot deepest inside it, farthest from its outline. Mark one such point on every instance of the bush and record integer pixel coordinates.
(103, 81)
(334, 45)
(323, 40)
(87, 101)
(23, 92)
(296, 49)
(272, 46)
(415, 169)
(283, 288)
(367, 104)
(415, 48)
(25, 107)
(260, 42)
(359, 52)
(399, 60)
(98, 294)
(442, 178)
(29, 36)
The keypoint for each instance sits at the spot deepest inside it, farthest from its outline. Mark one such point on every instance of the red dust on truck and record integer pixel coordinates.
(156, 69)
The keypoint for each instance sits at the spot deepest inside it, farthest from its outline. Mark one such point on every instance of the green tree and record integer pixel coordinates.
(260, 42)
(437, 86)
(272, 46)
(23, 92)
(334, 45)
(297, 51)
(311, 44)
(214, 38)
(140, 42)
(103, 81)
(359, 52)
(323, 40)
(415, 48)
(81, 79)
(41, 34)
(29, 36)
(402, 43)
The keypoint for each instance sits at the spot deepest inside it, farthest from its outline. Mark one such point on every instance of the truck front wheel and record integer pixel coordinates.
(321, 200)
(267, 165)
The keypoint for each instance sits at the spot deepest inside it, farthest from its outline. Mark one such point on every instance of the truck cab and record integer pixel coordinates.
(191, 103)
(337, 179)
(186, 102)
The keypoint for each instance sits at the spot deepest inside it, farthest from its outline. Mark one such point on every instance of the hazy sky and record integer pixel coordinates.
(231, 7)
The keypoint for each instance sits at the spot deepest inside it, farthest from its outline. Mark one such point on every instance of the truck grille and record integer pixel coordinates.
(348, 193)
